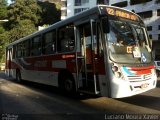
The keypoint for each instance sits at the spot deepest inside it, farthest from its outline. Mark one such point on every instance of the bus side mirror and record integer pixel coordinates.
(105, 25)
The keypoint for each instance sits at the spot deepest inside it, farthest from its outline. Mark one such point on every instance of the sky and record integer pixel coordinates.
(9, 1)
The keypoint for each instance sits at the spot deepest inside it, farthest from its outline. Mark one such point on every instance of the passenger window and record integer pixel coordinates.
(36, 46)
(66, 40)
(19, 50)
(14, 51)
(26, 49)
(49, 42)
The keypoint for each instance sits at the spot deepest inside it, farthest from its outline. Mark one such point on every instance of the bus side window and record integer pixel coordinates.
(66, 41)
(26, 48)
(14, 51)
(36, 46)
(49, 42)
(19, 50)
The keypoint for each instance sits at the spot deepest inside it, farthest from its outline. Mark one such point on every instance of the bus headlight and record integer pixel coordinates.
(118, 74)
(116, 71)
(114, 68)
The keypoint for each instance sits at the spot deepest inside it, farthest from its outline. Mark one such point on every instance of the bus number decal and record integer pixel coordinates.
(121, 13)
(129, 49)
(110, 11)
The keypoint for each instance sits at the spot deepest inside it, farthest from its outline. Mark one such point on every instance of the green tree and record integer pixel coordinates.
(3, 9)
(50, 13)
(26, 15)
(3, 43)
(3, 15)
(24, 28)
(23, 17)
(23, 10)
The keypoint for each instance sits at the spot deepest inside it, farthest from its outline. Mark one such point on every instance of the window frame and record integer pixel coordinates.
(60, 38)
(34, 47)
(53, 41)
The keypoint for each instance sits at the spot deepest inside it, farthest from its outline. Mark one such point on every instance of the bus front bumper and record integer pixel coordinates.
(123, 88)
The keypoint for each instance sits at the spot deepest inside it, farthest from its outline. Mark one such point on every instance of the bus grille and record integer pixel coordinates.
(139, 78)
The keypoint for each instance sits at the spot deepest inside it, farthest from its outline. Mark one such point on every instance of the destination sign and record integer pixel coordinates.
(121, 13)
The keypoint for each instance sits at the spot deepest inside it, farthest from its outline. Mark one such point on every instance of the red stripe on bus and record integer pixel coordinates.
(143, 72)
(142, 68)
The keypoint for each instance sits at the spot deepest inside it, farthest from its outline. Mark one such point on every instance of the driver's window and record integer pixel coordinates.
(140, 32)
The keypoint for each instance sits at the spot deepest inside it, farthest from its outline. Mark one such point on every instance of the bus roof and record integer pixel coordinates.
(78, 17)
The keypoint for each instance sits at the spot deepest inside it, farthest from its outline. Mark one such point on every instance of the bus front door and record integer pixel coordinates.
(86, 60)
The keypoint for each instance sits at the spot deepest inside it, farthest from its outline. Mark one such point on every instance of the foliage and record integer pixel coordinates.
(24, 17)
(3, 15)
(24, 28)
(2, 30)
(50, 13)
(3, 43)
(3, 9)
(23, 10)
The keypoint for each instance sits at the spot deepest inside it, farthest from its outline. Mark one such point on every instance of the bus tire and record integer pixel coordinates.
(66, 83)
(18, 76)
(157, 72)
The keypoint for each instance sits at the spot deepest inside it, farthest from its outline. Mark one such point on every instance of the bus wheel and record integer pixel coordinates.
(157, 72)
(67, 84)
(18, 76)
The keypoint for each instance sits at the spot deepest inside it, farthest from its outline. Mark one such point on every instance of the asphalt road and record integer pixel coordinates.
(30, 101)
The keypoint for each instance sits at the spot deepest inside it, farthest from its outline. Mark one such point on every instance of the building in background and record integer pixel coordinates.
(63, 9)
(72, 7)
(149, 10)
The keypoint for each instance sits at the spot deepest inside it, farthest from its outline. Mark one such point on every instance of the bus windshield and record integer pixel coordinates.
(128, 42)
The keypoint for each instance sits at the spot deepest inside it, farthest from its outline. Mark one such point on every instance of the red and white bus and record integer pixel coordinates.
(104, 50)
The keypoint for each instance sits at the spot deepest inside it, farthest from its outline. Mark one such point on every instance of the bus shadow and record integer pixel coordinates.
(48, 89)
(139, 100)
(80, 96)
(143, 101)
(54, 94)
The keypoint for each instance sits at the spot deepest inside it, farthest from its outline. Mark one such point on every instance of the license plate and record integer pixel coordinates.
(143, 86)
